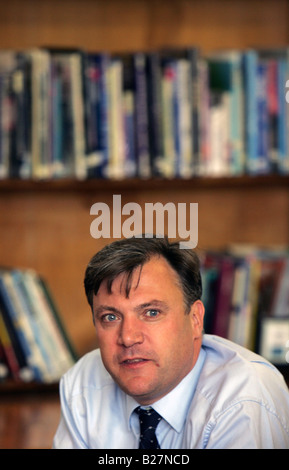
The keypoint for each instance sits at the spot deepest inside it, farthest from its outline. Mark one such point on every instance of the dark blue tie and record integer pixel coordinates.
(148, 420)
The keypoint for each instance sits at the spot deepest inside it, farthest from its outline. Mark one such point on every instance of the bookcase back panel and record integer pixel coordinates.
(131, 25)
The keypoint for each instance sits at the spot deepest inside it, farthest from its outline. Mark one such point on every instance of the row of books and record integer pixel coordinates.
(165, 113)
(34, 345)
(246, 296)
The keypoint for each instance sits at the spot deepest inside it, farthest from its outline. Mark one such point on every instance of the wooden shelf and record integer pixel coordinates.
(263, 181)
(10, 387)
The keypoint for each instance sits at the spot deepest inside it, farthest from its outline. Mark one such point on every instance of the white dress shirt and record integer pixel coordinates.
(232, 398)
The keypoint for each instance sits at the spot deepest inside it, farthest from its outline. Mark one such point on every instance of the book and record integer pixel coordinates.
(116, 155)
(41, 159)
(210, 273)
(8, 352)
(58, 352)
(276, 61)
(68, 101)
(224, 296)
(274, 340)
(35, 344)
(168, 164)
(14, 115)
(246, 300)
(186, 108)
(21, 348)
(96, 67)
(280, 303)
(226, 81)
(4, 369)
(129, 110)
(141, 116)
(154, 105)
(250, 59)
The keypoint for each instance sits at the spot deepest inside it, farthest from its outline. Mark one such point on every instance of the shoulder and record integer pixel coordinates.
(87, 373)
(233, 374)
(237, 389)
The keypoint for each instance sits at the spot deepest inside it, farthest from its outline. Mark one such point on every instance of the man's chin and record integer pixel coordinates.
(140, 388)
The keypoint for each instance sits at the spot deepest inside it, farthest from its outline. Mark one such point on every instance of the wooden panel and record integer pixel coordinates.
(140, 24)
(28, 421)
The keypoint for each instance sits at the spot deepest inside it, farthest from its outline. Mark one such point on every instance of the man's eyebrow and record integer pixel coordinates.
(152, 303)
(105, 308)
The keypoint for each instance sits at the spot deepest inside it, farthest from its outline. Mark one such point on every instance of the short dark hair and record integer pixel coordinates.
(124, 256)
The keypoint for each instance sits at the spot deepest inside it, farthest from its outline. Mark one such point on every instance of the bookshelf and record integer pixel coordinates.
(45, 225)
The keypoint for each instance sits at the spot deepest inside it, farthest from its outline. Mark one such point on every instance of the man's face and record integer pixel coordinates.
(147, 341)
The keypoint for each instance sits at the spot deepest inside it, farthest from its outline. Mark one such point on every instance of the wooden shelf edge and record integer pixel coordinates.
(152, 183)
(12, 387)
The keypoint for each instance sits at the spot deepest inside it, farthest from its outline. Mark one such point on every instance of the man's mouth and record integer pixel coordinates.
(134, 361)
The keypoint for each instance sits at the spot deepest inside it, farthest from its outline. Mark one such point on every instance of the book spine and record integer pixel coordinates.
(262, 119)
(5, 111)
(78, 119)
(20, 345)
(116, 122)
(204, 119)
(194, 57)
(41, 162)
(8, 351)
(154, 105)
(96, 113)
(250, 111)
(52, 308)
(35, 354)
(129, 131)
(273, 114)
(142, 139)
(168, 124)
(183, 119)
(223, 300)
(58, 358)
(237, 118)
(283, 155)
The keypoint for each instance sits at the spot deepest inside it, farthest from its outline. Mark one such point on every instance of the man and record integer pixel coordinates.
(145, 296)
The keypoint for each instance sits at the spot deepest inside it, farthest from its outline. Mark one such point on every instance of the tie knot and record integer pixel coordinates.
(148, 419)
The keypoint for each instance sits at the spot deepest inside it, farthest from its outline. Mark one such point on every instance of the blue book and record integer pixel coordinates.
(283, 157)
(96, 112)
(21, 346)
(141, 114)
(250, 60)
(154, 98)
(262, 119)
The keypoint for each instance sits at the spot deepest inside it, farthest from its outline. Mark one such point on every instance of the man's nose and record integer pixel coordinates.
(130, 332)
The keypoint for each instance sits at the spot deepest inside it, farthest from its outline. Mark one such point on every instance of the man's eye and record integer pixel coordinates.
(109, 317)
(152, 313)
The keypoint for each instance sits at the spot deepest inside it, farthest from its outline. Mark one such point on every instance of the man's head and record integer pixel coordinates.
(145, 298)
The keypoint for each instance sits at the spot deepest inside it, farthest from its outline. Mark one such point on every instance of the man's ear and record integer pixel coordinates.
(197, 313)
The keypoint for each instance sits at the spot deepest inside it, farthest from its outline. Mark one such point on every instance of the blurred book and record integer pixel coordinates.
(34, 343)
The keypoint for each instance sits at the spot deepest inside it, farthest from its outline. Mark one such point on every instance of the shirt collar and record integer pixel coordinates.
(174, 406)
